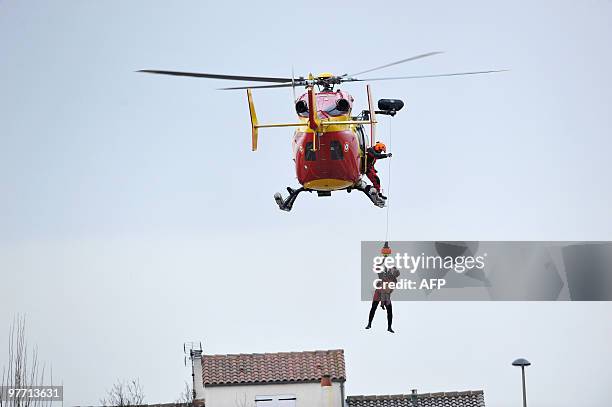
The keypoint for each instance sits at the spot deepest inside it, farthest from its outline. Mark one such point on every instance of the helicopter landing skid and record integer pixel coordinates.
(287, 204)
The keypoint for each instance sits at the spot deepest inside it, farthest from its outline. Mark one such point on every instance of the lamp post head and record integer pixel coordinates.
(521, 362)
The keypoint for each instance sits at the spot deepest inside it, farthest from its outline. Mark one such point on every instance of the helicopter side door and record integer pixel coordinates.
(361, 138)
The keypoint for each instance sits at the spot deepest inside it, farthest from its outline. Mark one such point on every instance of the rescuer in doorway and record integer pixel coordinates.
(376, 152)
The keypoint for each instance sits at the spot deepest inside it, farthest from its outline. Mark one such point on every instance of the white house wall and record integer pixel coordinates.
(307, 394)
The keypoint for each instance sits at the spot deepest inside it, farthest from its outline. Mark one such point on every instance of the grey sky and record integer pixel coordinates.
(133, 215)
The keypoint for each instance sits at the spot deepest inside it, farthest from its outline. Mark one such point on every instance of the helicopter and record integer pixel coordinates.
(330, 143)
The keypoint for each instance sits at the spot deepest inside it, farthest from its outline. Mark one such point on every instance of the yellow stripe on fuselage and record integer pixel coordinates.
(328, 128)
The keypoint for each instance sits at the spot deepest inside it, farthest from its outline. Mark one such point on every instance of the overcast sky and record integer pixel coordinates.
(134, 217)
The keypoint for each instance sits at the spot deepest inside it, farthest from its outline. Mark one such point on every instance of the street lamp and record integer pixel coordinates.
(523, 363)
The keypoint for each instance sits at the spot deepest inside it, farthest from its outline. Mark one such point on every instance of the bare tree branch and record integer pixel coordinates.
(124, 394)
(22, 368)
(186, 396)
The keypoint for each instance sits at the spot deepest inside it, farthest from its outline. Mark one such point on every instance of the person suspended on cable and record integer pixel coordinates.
(382, 296)
(376, 152)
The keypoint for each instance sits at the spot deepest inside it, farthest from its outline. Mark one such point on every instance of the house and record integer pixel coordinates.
(286, 379)
(297, 379)
(448, 399)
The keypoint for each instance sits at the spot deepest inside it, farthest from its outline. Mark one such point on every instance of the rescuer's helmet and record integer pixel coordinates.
(380, 147)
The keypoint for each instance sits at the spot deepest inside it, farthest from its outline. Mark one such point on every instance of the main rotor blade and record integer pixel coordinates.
(426, 76)
(282, 85)
(218, 76)
(398, 62)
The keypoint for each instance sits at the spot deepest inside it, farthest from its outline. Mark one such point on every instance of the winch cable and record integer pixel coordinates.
(388, 182)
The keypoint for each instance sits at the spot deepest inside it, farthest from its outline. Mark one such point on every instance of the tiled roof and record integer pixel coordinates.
(284, 367)
(448, 399)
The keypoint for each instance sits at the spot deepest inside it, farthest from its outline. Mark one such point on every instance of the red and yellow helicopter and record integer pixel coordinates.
(329, 143)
